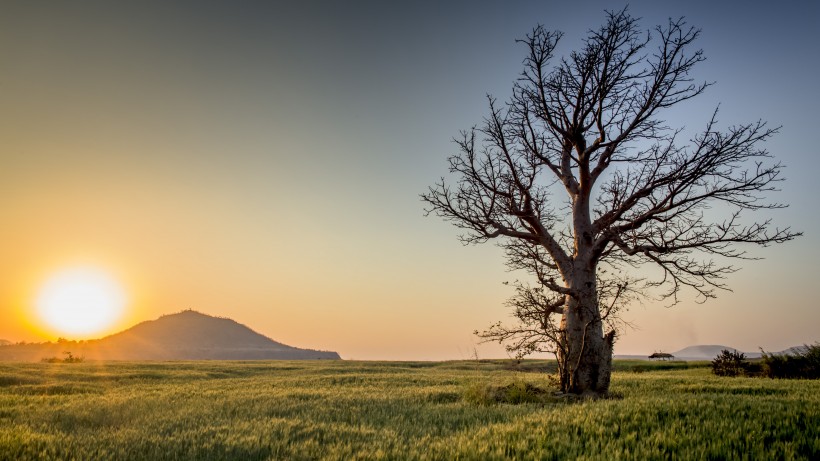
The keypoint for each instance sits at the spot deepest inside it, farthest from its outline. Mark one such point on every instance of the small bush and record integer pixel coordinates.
(754, 368)
(802, 364)
(70, 358)
(730, 363)
(515, 393)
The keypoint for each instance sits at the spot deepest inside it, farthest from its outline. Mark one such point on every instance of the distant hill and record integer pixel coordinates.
(794, 350)
(702, 352)
(711, 351)
(706, 352)
(187, 335)
(3, 342)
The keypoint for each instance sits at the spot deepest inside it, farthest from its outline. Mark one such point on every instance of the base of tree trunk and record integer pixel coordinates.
(590, 375)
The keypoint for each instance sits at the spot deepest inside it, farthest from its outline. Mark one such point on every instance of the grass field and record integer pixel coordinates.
(392, 410)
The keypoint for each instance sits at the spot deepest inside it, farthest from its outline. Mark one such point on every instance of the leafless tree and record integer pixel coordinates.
(578, 174)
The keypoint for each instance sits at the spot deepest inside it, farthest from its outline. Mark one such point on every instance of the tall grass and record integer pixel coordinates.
(399, 410)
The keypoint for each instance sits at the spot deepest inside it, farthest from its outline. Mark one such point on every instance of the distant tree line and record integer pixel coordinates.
(802, 363)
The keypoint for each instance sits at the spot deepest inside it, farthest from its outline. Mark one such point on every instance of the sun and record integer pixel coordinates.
(80, 301)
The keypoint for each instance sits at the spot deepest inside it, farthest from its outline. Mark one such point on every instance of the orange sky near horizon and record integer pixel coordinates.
(265, 163)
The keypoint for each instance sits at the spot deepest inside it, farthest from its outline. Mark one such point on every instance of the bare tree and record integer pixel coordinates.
(629, 192)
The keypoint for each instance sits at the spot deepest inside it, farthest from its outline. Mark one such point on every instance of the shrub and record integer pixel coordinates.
(730, 363)
(517, 392)
(70, 358)
(754, 368)
(803, 363)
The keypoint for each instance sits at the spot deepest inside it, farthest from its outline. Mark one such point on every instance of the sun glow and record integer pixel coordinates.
(80, 301)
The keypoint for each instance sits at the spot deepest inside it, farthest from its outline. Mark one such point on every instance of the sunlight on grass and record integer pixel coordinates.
(391, 410)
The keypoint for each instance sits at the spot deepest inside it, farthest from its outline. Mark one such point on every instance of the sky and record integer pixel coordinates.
(263, 161)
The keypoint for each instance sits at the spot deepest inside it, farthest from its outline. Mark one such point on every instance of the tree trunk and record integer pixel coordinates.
(588, 351)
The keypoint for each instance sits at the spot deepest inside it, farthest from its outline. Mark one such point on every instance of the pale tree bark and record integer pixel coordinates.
(578, 178)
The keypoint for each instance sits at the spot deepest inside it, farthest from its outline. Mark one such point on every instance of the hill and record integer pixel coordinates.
(704, 352)
(708, 352)
(3, 342)
(186, 335)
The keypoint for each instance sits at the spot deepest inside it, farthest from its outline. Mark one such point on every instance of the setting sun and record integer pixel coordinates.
(80, 301)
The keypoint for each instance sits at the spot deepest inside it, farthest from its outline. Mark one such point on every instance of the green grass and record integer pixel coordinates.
(393, 410)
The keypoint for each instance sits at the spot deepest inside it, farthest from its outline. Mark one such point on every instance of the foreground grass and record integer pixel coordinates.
(391, 410)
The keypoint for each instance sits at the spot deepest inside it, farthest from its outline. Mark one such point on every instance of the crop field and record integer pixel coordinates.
(341, 410)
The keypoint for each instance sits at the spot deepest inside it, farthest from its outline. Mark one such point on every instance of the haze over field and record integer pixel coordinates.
(264, 163)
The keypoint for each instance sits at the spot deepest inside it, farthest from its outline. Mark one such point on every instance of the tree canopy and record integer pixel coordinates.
(579, 178)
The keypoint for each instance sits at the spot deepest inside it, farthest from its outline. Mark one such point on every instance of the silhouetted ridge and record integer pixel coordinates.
(186, 335)
(708, 352)
(191, 328)
(191, 335)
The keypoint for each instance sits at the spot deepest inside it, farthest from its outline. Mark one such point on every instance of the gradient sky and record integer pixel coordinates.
(263, 162)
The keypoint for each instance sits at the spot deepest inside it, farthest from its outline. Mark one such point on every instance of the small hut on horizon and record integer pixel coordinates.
(661, 356)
